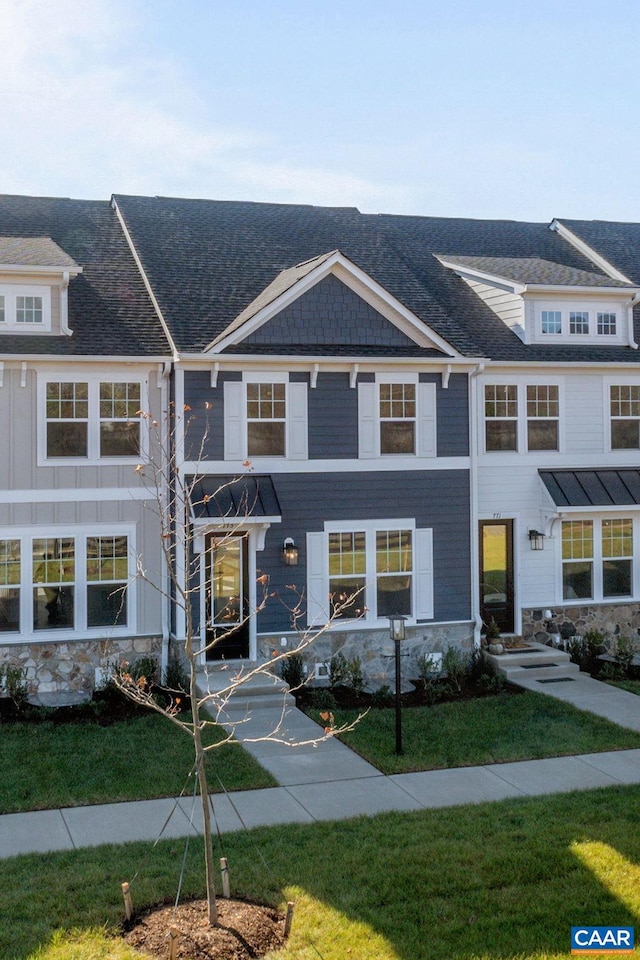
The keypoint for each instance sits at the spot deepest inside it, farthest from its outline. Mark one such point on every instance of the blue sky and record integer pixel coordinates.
(520, 110)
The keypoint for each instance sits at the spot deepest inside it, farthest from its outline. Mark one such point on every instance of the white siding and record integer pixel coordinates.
(584, 415)
(508, 306)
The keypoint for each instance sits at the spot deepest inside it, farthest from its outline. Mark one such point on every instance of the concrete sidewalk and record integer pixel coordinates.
(327, 781)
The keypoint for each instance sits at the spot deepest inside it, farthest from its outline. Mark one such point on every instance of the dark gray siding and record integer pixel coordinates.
(452, 405)
(333, 418)
(205, 431)
(330, 313)
(436, 499)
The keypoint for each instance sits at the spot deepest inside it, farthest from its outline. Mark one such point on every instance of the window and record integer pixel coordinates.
(551, 321)
(542, 417)
(265, 416)
(75, 582)
(368, 571)
(578, 321)
(597, 559)
(25, 309)
(90, 421)
(501, 416)
(9, 585)
(266, 419)
(396, 417)
(606, 324)
(625, 416)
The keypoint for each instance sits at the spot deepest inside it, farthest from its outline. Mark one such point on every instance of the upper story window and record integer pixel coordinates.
(25, 309)
(89, 420)
(624, 405)
(265, 416)
(555, 322)
(521, 417)
(396, 417)
(578, 321)
(607, 324)
(551, 321)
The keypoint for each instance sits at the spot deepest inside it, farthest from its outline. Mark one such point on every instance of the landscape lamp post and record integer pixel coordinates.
(396, 630)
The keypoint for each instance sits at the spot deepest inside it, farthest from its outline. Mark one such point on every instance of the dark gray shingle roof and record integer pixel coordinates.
(536, 271)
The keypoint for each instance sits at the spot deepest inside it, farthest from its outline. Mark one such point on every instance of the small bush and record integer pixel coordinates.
(355, 679)
(13, 680)
(292, 671)
(625, 651)
(455, 665)
(338, 669)
(145, 668)
(346, 672)
(428, 667)
(383, 697)
(176, 677)
(323, 699)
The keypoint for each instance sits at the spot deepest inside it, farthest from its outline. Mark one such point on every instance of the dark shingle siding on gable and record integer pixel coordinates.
(329, 313)
(110, 312)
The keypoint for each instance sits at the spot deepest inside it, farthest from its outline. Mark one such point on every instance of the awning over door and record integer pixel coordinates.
(235, 499)
(593, 488)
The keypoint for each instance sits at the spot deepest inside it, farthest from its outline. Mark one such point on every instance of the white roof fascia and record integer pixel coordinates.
(56, 272)
(558, 227)
(483, 276)
(628, 292)
(145, 280)
(358, 281)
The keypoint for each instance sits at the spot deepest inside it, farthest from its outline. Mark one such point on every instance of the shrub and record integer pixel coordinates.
(13, 680)
(428, 667)
(337, 670)
(455, 664)
(323, 699)
(624, 653)
(292, 670)
(382, 697)
(354, 678)
(176, 676)
(346, 672)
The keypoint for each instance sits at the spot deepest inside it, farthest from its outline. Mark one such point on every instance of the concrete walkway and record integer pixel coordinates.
(330, 782)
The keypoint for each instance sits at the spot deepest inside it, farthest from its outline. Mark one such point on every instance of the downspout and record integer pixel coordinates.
(64, 304)
(632, 342)
(164, 375)
(473, 484)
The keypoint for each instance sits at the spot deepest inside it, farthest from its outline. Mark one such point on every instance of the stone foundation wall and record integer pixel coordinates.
(64, 672)
(376, 649)
(615, 619)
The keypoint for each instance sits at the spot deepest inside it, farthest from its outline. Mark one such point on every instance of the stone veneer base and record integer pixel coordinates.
(611, 619)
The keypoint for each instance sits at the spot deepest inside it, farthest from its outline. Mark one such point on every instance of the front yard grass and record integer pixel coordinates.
(494, 881)
(48, 765)
(494, 729)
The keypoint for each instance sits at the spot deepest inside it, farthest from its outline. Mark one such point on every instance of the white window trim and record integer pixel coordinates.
(607, 383)
(10, 292)
(94, 380)
(593, 308)
(626, 513)
(522, 419)
(235, 419)
(422, 598)
(369, 420)
(26, 536)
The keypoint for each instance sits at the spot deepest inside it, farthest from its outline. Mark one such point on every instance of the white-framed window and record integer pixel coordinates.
(624, 419)
(25, 309)
(396, 417)
(606, 323)
(362, 572)
(67, 581)
(265, 416)
(578, 321)
(91, 420)
(561, 321)
(551, 322)
(597, 559)
(521, 417)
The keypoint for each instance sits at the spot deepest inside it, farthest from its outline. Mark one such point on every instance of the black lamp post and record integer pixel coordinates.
(396, 631)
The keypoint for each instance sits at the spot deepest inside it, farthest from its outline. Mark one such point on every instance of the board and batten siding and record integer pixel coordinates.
(438, 500)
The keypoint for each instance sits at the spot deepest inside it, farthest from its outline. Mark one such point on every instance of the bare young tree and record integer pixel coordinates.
(175, 498)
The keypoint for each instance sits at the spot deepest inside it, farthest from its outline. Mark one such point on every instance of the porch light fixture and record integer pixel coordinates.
(536, 540)
(290, 552)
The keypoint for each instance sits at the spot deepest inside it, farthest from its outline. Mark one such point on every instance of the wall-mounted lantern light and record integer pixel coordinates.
(536, 540)
(290, 552)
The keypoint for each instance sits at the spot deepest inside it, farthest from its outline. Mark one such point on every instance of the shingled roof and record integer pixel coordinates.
(208, 261)
(110, 312)
(618, 243)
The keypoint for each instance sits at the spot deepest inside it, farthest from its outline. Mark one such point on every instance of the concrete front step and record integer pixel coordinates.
(533, 663)
(261, 691)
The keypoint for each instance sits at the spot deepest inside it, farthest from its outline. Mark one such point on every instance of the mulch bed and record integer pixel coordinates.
(244, 931)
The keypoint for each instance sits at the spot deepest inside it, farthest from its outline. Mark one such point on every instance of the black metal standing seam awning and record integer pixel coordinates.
(234, 498)
(593, 488)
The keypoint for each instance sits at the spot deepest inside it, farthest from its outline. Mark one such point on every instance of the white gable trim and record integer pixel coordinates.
(362, 285)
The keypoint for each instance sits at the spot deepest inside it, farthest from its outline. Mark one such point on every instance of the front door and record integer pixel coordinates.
(227, 597)
(496, 573)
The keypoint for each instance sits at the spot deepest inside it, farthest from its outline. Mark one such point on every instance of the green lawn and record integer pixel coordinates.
(502, 881)
(490, 730)
(67, 764)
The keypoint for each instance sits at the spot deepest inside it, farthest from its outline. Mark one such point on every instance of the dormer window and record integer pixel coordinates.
(566, 322)
(578, 321)
(551, 321)
(607, 324)
(25, 308)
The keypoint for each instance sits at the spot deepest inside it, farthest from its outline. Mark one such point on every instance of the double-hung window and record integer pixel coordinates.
(624, 407)
(543, 411)
(265, 416)
(25, 309)
(501, 416)
(77, 581)
(92, 420)
(368, 571)
(396, 417)
(521, 417)
(597, 559)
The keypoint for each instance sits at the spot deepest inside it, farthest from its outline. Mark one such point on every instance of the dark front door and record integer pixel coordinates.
(496, 573)
(227, 598)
